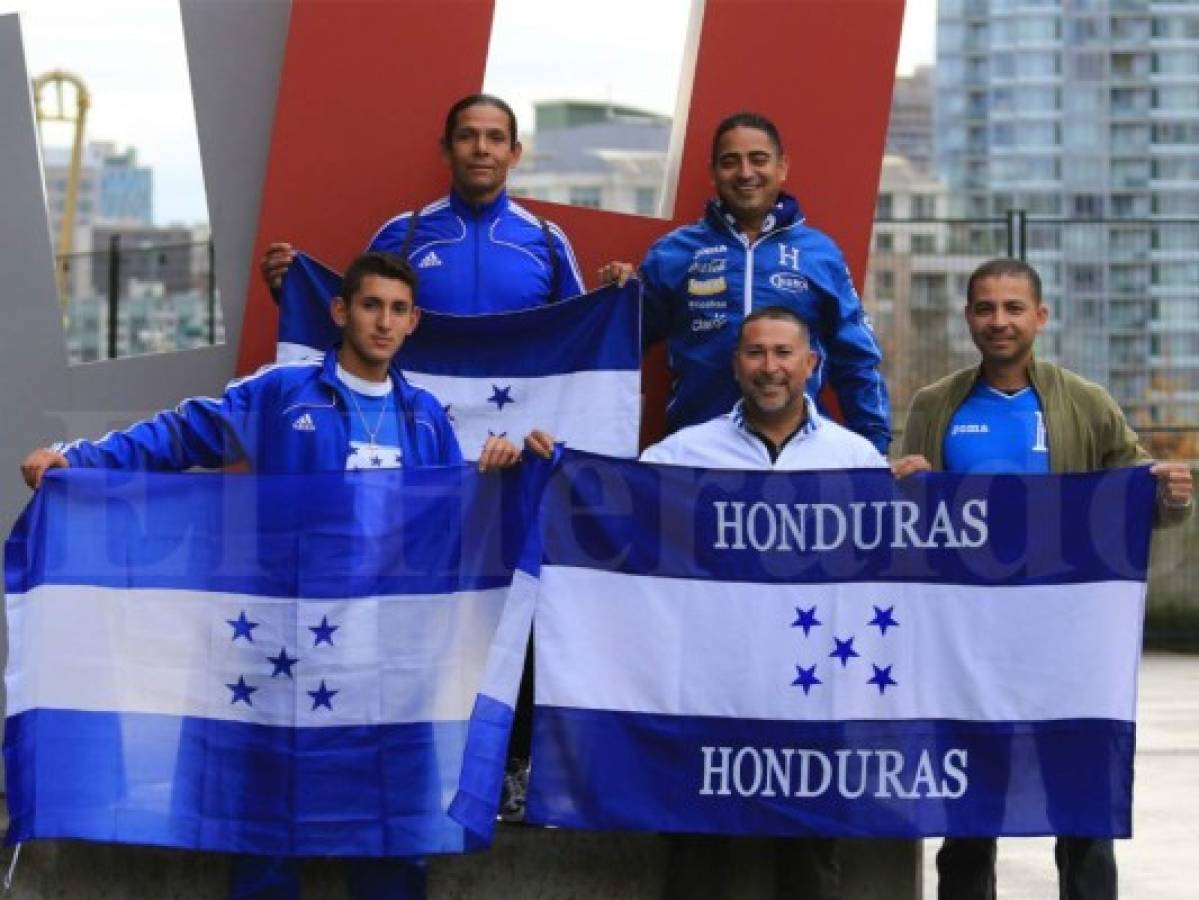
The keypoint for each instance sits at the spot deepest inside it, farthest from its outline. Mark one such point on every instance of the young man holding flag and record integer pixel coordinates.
(352, 410)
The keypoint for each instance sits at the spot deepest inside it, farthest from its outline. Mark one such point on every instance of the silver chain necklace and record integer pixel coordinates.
(370, 432)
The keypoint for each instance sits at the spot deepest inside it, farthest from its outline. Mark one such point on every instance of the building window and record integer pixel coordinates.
(884, 243)
(647, 201)
(884, 285)
(1087, 206)
(924, 206)
(884, 209)
(924, 243)
(585, 196)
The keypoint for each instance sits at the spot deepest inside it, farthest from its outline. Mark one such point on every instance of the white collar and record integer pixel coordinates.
(362, 386)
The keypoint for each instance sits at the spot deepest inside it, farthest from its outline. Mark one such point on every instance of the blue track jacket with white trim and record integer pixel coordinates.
(487, 259)
(701, 280)
(292, 417)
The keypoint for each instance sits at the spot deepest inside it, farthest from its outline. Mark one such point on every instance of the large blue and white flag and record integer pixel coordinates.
(571, 368)
(276, 665)
(830, 653)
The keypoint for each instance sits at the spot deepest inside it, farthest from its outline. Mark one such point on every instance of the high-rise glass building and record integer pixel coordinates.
(1085, 115)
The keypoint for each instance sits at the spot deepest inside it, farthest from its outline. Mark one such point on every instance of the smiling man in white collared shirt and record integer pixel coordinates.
(774, 425)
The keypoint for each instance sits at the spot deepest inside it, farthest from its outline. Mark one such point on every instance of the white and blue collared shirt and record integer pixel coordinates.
(726, 442)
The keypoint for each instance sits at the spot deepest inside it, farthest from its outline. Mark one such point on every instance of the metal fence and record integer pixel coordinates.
(132, 300)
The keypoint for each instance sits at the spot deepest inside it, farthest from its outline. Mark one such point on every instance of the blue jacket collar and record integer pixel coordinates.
(486, 211)
(786, 213)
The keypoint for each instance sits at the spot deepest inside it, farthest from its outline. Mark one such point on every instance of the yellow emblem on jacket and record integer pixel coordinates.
(707, 287)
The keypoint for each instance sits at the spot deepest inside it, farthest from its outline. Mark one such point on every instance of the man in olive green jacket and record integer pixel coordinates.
(1015, 413)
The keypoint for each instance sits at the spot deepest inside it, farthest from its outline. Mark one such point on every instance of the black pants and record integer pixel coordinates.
(697, 868)
(520, 744)
(1086, 869)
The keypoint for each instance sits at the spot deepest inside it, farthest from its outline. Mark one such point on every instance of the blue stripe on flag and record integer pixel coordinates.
(321, 536)
(599, 331)
(613, 770)
(211, 785)
(484, 758)
(307, 290)
(805, 527)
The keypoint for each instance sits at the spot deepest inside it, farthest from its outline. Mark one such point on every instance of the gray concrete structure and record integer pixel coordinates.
(235, 51)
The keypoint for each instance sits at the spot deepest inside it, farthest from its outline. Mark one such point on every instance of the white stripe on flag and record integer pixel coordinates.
(285, 352)
(597, 411)
(689, 647)
(407, 658)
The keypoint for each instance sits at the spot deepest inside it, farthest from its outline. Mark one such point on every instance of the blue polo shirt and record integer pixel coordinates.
(993, 431)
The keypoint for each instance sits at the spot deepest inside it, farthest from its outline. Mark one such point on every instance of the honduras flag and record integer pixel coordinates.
(828, 653)
(572, 368)
(277, 665)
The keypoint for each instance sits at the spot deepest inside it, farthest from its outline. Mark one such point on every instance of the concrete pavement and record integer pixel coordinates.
(1155, 863)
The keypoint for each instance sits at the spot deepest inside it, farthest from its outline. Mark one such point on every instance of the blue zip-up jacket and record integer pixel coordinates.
(292, 417)
(701, 280)
(487, 259)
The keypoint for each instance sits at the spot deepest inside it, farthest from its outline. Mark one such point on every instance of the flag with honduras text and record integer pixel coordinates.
(832, 653)
(276, 665)
(572, 368)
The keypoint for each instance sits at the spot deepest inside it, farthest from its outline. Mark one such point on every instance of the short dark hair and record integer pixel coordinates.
(376, 262)
(451, 118)
(747, 120)
(1001, 267)
(779, 314)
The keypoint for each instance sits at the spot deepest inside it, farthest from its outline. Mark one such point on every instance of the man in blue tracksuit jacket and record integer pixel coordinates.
(476, 250)
(752, 249)
(352, 410)
(291, 417)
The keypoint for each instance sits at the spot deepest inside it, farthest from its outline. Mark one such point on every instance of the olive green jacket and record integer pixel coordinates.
(1085, 428)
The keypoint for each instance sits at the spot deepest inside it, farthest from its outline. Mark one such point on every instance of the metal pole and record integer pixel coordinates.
(114, 292)
(211, 293)
(1017, 233)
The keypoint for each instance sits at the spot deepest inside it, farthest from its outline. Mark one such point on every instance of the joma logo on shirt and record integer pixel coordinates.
(971, 428)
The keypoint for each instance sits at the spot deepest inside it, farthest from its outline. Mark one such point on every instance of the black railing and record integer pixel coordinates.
(131, 300)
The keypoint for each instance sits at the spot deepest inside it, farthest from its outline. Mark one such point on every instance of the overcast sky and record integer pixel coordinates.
(130, 54)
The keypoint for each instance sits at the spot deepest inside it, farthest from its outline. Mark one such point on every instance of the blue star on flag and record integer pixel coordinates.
(282, 663)
(884, 619)
(242, 627)
(322, 696)
(323, 632)
(882, 678)
(844, 650)
(500, 396)
(806, 619)
(805, 678)
(241, 691)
